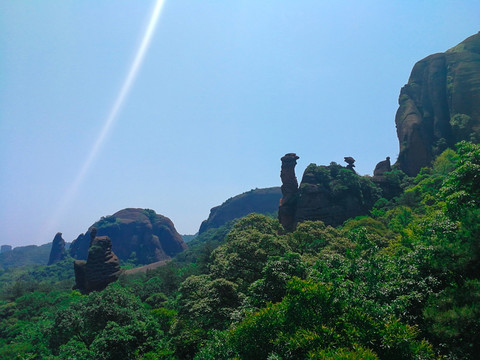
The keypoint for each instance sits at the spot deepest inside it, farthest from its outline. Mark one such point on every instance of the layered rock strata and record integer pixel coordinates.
(101, 268)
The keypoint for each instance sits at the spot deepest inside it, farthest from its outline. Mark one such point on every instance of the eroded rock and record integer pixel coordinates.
(58, 252)
(288, 202)
(440, 105)
(138, 235)
(333, 194)
(101, 268)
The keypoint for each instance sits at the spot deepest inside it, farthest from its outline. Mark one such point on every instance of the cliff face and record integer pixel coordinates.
(440, 105)
(261, 201)
(138, 234)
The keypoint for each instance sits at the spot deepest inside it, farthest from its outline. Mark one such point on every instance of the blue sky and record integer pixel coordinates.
(225, 89)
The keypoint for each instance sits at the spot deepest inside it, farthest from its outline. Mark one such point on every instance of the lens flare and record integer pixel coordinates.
(110, 120)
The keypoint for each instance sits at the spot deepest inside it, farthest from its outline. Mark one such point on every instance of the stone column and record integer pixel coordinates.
(288, 203)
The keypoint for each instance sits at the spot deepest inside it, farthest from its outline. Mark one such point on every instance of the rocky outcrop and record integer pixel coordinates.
(331, 194)
(382, 167)
(390, 187)
(260, 201)
(350, 161)
(334, 194)
(288, 202)
(101, 268)
(138, 235)
(58, 252)
(440, 105)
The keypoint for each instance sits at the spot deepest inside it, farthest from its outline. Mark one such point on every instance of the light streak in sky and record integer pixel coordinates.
(110, 120)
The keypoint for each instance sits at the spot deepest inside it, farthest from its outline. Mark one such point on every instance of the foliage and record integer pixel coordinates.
(403, 283)
(106, 221)
(25, 256)
(241, 259)
(312, 319)
(462, 187)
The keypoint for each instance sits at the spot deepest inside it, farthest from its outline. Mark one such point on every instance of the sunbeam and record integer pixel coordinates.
(110, 120)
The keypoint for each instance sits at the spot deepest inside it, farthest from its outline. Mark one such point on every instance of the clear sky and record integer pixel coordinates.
(226, 88)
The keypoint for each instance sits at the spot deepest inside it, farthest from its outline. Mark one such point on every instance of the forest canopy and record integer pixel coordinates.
(401, 283)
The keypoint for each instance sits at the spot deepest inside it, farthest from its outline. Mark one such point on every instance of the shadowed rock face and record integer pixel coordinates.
(333, 194)
(260, 201)
(440, 105)
(101, 268)
(382, 167)
(390, 188)
(288, 202)
(350, 161)
(57, 253)
(135, 233)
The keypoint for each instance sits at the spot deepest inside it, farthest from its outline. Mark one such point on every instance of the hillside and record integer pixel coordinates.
(260, 201)
(402, 283)
(25, 255)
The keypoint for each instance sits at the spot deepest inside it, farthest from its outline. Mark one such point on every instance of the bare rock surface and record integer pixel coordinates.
(440, 105)
(138, 235)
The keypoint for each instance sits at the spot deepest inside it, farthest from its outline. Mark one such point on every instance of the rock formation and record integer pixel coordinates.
(57, 253)
(101, 268)
(260, 201)
(382, 167)
(350, 160)
(140, 235)
(390, 188)
(331, 194)
(288, 202)
(440, 105)
(334, 194)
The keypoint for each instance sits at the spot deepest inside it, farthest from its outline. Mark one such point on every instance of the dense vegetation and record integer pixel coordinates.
(403, 283)
(25, 255)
